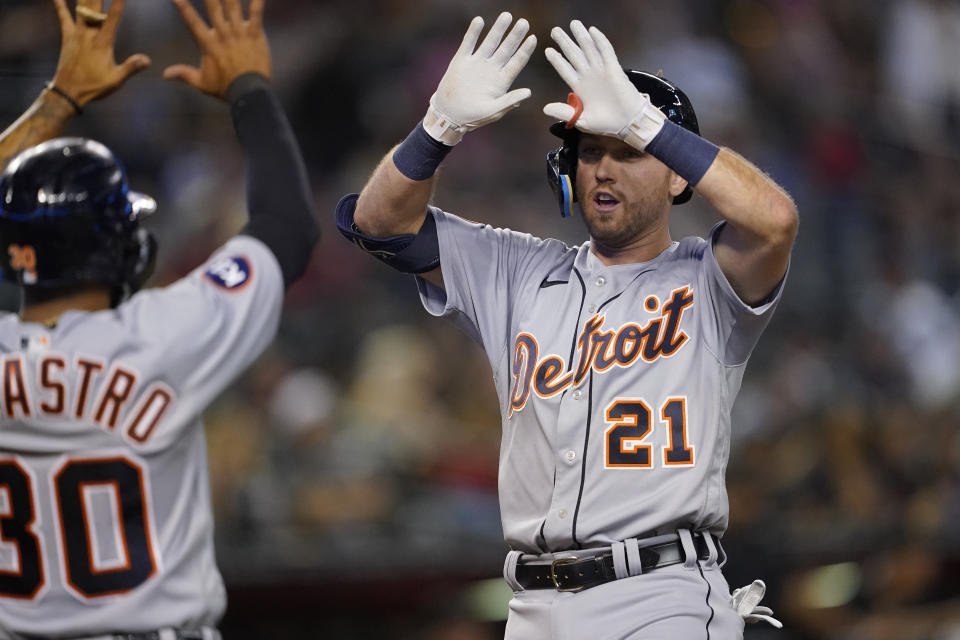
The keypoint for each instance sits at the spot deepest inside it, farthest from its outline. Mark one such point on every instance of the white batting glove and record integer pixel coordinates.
(746, 599)
(612, 106)
(474, 89)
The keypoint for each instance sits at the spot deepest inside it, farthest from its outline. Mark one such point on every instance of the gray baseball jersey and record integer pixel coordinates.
(105, 519)
(615, 382)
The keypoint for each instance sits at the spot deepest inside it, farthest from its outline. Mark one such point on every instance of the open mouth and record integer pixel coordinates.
(605, 202)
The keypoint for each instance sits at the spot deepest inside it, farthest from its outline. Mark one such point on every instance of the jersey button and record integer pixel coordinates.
(577, 394)
(601, 281)
(570, 456)
(562, 513)
(592, 308)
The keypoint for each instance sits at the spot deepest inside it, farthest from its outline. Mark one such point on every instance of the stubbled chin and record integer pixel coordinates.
(601, 215)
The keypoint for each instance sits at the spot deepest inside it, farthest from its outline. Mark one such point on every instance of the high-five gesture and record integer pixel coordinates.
(87, 69)
(474, 90)
(230, 46)
(519, 296)
(611, 104)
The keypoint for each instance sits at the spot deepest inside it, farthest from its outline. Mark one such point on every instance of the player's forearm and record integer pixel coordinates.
(45, 119)
(753, 250)
(392, 204)
(389, 218)
(759, 210)
(279, 199)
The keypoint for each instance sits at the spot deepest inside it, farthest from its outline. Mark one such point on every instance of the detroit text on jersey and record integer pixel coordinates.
(599, 350)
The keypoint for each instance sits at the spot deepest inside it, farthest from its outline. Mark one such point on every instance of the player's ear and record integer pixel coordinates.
(677, 184)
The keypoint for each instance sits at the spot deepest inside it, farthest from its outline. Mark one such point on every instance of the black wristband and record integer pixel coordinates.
(66, 96)
(683, 151)
(419, 155)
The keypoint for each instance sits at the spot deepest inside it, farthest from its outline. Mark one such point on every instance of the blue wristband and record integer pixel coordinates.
(683, 151)
(419, 155)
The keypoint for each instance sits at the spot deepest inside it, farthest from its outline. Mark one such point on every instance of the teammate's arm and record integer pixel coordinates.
(85, 72)
(474, 91)
(235, 66)
(753, 249)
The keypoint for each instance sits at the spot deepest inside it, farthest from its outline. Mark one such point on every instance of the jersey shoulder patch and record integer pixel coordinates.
(230, 272)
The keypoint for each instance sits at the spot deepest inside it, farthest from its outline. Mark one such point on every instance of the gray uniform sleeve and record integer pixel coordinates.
(738, 325)
(205, 329)
(483, 268)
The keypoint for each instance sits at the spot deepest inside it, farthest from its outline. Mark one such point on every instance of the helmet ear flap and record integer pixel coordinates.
(140, 258)
(146, 257)
(561, 174)
(684, 196)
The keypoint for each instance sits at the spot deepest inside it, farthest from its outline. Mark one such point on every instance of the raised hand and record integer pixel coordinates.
(611, 104)
(474, 90)
(87, 69)
(230, 46)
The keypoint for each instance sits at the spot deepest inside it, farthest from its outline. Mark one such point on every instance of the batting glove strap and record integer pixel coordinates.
(746, 601)
(441, 127)
(644, 127)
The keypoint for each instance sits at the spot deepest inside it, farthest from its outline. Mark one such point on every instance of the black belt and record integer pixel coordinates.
(575, 574)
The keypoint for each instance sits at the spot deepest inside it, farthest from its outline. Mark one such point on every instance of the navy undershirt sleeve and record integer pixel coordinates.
(279, 201)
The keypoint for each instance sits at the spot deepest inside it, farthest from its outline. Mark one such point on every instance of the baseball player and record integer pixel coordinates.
(105, 522)
(617, 361)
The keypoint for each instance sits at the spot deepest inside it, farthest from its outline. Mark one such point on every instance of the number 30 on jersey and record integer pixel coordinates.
(90, 568)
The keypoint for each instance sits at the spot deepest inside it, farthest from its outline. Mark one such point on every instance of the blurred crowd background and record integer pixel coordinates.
(354, 466)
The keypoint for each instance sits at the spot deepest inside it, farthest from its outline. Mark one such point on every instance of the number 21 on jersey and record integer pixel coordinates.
(631, 423)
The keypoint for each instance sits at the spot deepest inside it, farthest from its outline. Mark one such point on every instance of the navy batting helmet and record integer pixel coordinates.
(562, 162)
(67, 216)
